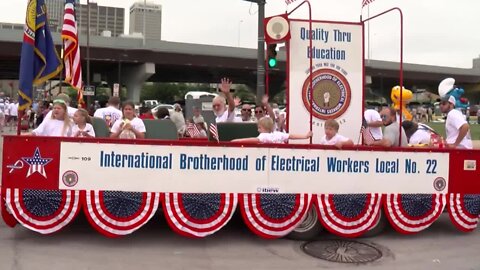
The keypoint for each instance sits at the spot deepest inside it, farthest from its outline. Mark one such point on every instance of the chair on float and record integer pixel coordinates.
(100, 127)
(160, 129)
(234, 130)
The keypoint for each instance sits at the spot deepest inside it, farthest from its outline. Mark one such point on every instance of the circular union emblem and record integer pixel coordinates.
(439, 184)
(31, 21)
(70, 178)
(331, 94)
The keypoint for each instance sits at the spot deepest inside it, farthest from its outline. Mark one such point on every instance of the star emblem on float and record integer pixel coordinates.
(36, 163)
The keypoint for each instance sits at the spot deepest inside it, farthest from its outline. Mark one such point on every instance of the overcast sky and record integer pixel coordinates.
(437, 32)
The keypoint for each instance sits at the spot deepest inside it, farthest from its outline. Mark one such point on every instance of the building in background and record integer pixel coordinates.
(153, 19)
(11, 26)
(102, 18)
(55, 9)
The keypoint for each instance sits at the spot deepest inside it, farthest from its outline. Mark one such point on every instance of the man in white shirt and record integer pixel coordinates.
(111, 113)
(219, 103)
(456, 127)
(374, 123)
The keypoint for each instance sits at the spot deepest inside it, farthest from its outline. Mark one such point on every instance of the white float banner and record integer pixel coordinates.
(194, 169)
(337, 57)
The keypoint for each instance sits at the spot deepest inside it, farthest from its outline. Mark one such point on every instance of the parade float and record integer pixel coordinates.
(279, 190)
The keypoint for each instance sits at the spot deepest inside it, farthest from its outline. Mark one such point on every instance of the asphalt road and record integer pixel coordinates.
(155, 246)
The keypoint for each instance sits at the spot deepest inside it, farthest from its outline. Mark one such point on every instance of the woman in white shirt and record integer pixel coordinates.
(130, 127)
(59, 125)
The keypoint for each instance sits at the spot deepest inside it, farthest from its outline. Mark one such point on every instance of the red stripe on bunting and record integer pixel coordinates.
(267, 227)
(344, 226)
(8, 218)
(111, 226)
(45, 225)
(184, 224)
(460, 217)
(405, 223)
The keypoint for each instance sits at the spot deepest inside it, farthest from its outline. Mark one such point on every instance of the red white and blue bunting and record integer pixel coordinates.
(116, 213)
(198, 215)
(274, 215)
(412, 213)
(8, 218)
(464, 211)
(43, 211)
(349, 215)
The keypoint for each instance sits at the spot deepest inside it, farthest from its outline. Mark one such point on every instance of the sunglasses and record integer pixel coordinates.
(258, 111)
(245, 110)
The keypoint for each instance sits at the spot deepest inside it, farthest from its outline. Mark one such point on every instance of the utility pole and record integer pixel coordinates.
(144, 21)
(260, 49)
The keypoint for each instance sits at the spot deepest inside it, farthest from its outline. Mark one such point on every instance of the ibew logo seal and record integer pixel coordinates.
(330, 96)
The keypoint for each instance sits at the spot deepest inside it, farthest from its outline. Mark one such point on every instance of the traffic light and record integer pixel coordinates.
(272, 55)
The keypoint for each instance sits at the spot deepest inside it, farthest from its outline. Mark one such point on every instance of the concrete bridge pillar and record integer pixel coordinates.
(133, 78)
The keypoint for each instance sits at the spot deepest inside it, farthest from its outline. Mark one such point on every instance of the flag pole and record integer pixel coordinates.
(88, 51)
(61, 73)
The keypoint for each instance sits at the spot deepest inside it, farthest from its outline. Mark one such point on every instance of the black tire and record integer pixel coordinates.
(309, 228)
(378, 228)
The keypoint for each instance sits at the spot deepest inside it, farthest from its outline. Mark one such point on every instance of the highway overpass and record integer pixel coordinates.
(118, 59)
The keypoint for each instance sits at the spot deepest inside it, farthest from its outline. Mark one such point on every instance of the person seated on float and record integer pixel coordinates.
(374, 123)
(391, 131)
(146, 113)
(246, 113)
(417, 134)
(111, 113)
(202, 129)
(178, 119)
(268, 135)
(219, 103)
(83, 126)
(332, 137)
(58, 124)
(264, 109)
(163, 114)
(130, 127)
(66, 99)
(457, 128)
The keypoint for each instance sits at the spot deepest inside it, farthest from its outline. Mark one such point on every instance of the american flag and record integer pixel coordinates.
(192, 130)
(368, 138)
(36, 163)
(366, 2)
(213, 131)
(71, 55)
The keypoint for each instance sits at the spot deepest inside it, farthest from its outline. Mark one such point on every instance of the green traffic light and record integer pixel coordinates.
(272, 62)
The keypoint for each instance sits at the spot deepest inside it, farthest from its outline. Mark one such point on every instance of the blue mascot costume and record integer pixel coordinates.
(448, 88)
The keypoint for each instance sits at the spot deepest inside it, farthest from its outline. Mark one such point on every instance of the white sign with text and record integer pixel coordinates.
(337, 77)
(195, 169)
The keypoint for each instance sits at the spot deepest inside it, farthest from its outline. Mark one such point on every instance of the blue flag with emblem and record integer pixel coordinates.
(39, 60)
